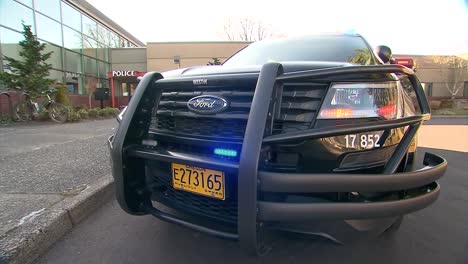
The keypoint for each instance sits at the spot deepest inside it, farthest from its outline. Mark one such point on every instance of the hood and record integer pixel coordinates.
(220, 69)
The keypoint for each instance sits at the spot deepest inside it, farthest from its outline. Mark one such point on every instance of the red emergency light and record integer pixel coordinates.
(405, 62)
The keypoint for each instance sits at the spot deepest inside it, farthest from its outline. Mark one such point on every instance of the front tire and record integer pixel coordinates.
(58, 112)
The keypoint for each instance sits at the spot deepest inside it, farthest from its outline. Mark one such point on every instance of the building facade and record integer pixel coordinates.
(79, 35)
(163, 56)
(129, 63)
(440, 80)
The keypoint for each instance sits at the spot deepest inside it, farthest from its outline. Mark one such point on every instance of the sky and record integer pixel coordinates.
(419, 27)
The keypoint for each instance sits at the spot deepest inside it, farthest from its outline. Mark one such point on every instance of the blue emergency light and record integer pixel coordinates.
(225, 152)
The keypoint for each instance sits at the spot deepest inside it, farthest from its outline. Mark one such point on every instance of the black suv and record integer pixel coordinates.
(287, 134)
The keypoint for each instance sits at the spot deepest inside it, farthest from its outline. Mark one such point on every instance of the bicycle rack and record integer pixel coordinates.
(10, 105)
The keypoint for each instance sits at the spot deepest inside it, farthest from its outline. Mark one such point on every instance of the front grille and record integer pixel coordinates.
(173, 116)
(201, 126)
(300, 102)
(159, 181)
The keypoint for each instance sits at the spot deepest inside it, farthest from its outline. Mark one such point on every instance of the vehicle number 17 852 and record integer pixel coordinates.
(364, 141)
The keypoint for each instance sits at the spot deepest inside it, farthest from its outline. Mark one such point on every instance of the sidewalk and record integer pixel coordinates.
(51, 177)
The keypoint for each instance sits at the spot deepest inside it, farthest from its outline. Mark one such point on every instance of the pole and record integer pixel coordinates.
(112, 92)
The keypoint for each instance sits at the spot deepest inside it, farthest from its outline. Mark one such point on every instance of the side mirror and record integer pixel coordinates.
(384, 53)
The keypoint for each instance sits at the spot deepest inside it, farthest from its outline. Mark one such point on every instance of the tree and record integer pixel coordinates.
(459, 70)
(28, 74)
(215, 61)
(247, 29)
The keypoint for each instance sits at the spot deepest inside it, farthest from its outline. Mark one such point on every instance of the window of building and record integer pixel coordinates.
(56, 75)
(90, 84)
(48, 29)
(56, 57)
(89, 46)
(71, 17)
(114, 41)
(103, 52)
(90, 66)
(103, 68)
(9, 43)
(51, 8)
(103, 83)
(89, 27)
(465, 89)
(72, 39)
(26, 2)
(427, 88)
(74, 82)
(12, 13)
(102, 35)
(72, 62)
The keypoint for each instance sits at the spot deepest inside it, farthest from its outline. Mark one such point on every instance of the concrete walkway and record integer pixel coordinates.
(44, 168)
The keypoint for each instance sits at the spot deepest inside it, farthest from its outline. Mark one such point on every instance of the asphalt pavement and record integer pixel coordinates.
(437, 234)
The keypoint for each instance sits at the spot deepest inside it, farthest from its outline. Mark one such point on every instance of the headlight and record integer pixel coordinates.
(360, 100)
(121, 115)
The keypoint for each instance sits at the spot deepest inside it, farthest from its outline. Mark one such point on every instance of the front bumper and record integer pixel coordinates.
(128, 157)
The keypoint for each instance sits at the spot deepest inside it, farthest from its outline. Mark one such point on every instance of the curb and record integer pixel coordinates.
(25, 244)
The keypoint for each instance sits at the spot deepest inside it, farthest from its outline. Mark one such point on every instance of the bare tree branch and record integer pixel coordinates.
(247, 29)
(460, 69)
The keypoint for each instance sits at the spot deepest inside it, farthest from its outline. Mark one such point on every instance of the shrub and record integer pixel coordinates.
(83, 113)
(74, 116)
(102, 112)
(43, 114)
(113, 112)
(5, 119)
(444, 112)
(93, 112)
(81, 107)
(61, 94)
(447, 103)
(435, 105)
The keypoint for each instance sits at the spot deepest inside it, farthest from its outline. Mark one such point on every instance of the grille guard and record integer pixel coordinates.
(251, 211)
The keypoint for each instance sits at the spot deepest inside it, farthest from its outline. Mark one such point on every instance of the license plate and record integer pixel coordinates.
(198, 180)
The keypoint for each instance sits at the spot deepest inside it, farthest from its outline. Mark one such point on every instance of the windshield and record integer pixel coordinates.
(318, 48)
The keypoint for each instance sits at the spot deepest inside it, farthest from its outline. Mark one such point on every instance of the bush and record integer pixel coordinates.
(444, 112)
(93, 112)
(81, 107)
(43, 114)
(113, 112)
(447, 103)
(83, 113)
(74, 116)
(61, 94)
(5, 119)
(102, 112)
(435, 105)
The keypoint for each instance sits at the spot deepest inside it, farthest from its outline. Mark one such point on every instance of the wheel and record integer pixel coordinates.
(58, 112)
(24, 110)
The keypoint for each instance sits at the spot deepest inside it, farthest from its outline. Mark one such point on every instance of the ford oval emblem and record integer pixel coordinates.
(207, 104)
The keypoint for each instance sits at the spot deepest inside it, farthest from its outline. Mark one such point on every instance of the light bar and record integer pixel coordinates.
(225, 152)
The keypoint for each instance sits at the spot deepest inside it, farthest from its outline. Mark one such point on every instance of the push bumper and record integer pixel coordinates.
(252, 211)
(423, 180)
